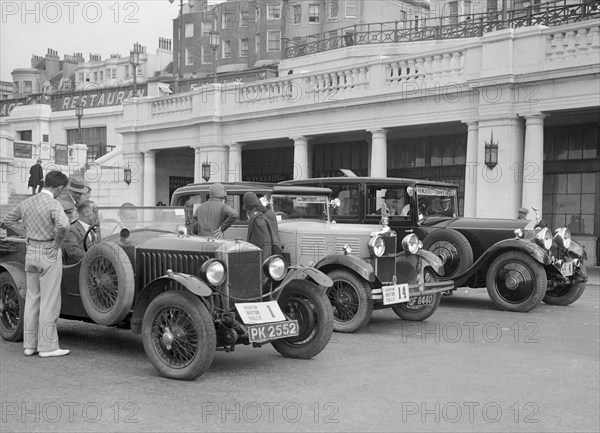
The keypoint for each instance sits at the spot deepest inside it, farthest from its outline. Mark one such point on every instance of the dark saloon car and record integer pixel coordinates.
(187, 295)
(520, 264)
(363, 261)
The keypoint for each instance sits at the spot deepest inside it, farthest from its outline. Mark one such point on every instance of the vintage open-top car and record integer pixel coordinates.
(520, 264)
(186, 295)
(362, 260)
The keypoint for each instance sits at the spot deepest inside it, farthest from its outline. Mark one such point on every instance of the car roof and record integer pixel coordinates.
(365, 179)
(239, 187)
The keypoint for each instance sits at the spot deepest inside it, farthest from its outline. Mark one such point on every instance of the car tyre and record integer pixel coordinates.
(516, 282)
(106, 283)
(568, 294)
(179, 335)
(350, 300)
(305, 302)
(452, 248)
(12, 308)
(418, 313)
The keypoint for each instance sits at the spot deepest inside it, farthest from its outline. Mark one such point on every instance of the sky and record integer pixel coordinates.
(102, 27)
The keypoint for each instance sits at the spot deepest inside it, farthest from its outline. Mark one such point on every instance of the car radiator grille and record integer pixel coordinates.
(154, 264)
(244, 270)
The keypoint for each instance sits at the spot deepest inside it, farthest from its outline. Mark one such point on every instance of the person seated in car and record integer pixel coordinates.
(128, 215)
(394, 201)
(446, 207)
(73, 245)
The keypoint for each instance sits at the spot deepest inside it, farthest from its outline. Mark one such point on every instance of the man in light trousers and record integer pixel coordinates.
(44, 224)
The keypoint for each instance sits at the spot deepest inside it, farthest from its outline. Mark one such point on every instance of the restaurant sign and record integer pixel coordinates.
(68, 101)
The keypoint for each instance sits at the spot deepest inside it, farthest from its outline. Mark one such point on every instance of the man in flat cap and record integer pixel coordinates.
(214, 216)
(523, 211)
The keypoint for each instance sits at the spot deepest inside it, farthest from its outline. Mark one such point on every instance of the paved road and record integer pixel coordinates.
(468, 368)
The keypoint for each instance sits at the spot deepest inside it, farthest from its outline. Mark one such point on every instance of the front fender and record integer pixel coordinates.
(431, 260)
(192, 283)
(17, 272)
(577, 250)
(301, 272)
(356, 264)
(527, 246)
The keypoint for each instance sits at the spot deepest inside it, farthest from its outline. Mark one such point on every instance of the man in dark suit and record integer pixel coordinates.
(74, 194)
(36, 177)
(73, 245)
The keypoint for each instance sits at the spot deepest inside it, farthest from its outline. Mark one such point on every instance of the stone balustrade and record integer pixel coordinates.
(572, 42)
(435, 67)
(383, 75)
(172, 104)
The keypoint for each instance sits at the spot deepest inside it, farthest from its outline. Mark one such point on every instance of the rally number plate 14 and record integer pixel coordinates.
(272, 331)
(395, 294)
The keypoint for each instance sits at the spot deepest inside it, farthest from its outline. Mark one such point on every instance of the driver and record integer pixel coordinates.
(128, 215)
(73, 244)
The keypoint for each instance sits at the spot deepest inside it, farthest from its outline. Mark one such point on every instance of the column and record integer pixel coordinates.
(499, 189)
(533, 162)
(197, 164)
(471, 167)
(378, 153)
(149, 178)
(300, 158)
(234, 169)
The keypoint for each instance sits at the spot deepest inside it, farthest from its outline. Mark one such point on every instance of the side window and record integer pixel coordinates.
(235, 201)
(190, 204)
(395, 199)
(349, 202)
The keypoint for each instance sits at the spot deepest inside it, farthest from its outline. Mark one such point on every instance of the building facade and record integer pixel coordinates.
(254, 33)
(437, 109)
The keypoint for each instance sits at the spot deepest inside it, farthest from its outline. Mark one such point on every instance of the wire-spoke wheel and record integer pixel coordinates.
(350, 300)
(106, 283)
(12, 306)
(179, 335)
(420, 312)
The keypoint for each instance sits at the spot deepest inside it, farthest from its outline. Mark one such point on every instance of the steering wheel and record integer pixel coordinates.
(93, 228)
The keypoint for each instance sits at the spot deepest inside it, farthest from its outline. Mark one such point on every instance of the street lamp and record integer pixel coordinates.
(134, 59)
(79, 114)
(214, 41)
(180, 31)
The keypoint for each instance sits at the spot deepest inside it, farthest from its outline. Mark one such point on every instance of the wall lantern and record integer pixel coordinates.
(214, 41)
(491, 152)
(127, 173)
(206, 171)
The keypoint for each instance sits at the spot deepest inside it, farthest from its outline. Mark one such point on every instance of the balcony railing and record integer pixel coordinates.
(454, 27)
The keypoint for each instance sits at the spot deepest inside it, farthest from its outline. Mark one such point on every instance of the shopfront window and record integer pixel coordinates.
(95, 138)
(570, 189)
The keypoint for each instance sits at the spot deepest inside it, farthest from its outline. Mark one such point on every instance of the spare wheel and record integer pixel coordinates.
(453, 248)
(106, 283)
